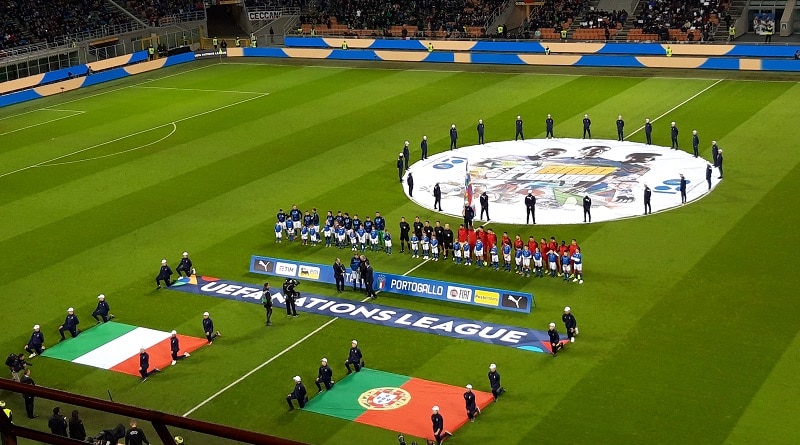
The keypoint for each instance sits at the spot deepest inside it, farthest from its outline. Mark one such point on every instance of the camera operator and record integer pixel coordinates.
(290, 294)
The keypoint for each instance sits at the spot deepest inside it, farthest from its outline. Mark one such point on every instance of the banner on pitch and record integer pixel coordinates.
(398, 284)
(444, 325)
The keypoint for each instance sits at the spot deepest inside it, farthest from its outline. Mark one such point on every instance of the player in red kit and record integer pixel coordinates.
(532, 244)
(462, 234)
(505, 239)
(518, 243)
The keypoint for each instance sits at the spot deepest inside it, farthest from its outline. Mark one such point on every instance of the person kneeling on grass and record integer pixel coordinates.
(298, 393)
(555, 339)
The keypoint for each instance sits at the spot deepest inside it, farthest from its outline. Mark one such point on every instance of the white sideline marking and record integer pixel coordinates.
(43, 123)
(39, 164)
(174, 129)
(274, 357)
(675, 107)
(202, 90)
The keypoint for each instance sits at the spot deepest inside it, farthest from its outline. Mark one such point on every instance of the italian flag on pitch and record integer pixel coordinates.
(115, 346)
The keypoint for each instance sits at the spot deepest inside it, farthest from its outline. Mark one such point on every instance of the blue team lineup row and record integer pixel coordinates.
(434, 243)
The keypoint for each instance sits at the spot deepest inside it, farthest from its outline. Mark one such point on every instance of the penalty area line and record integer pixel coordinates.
(276, 356)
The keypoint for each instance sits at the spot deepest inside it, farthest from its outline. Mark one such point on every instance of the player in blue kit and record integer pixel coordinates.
(374, 240)
(340, 234)
(457, 252)
(278, 232)
(518, 261)
(495, 257)
(282, 218)
(537, 263)
(362, 239)
(353, 239)
(552, 263)
(326, 232)
(479, 253)
(294, 215)
(368, 225)
(565, 266)
(380, 225)
(507, 256)
(577, 263)
(435, 248)
(387, 242)
(290, 233)
(304, 235)
(466, 254)
(414, 241)
(426, 246)
(526, 261)
(312, 235)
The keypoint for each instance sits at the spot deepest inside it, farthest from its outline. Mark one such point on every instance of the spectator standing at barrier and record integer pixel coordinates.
(682, 189)
(164, 275)
(647, 195)
(215, 42)
(410, 183)
(298, 393)
(103, 310)
(439, 433)
(494, 382)
(719, 164)
(271, 35)
(185, 266)
(587, 208)
(253, 40)
(518, 129)
(674, 135)
(406, 154)
(28, 398)
(453, 137)
(400, 165)
(472, 407)
(135, 435)
(238, 42)
(175, 347)
(144, 365)
(423, 146)
(695, 143)
(224, 46)
(484, 201)
(35, 344)
(324, 376)
(587, 126)
(769, 32)
(570, 324)
(548, 126)
(620, 128)
(76, 429)
(57, 423)
(481, 129)
(151, 52)
(708, 175)
(70, 324)
(208, 328)
(338, 275)
(731, 33)
(530, 208)
(266, 301)
(354, 357)
(437, 197)
(555, 339)
(648, 131)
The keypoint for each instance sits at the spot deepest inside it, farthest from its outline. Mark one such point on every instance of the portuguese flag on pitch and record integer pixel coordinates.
(395, 402)
(115, 346)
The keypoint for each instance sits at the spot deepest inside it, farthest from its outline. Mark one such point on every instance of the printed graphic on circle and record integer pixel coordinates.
(385, 398)
(559, 173)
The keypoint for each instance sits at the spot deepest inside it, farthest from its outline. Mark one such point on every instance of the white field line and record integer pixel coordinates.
(201, 90)
(676, 107)
(174, 129)
(38, 164)
(43, 123)
(274, 357)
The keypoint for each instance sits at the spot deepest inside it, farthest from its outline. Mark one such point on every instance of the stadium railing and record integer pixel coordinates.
(159, 420)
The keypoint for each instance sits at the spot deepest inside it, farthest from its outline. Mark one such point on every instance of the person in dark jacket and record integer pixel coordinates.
(76, 428)
(164, 275)
(494, 382)
(484, 200)
(410, 183)
(406, 155)
(647, 195)
(29, 398)
(144, 365)
(682, 189)
(570, 324)
(423, 146)
(453, 137)
(530, 208)
(518, 129)
(437, 197)
(469, 215)
(714, 152)
(298, 393)
(339, 273)
(208, 328)
(719, 163)
(185, 266)
(587, 126)
(620, 128)
(135, 435)
(555, 339)
(175, 347)
(57, 423)
(70, 324)
(439, 433)
(35, 344)
(354, 357)
(673, 131)
(648, 131)
(587, 208)
(472, 407)
(103, 310)
(369, 280)
(708, 175)
(481, 128)
(266, 301)
(325, 376)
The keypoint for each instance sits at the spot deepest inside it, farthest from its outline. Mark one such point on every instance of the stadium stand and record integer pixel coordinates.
(677, 20)
(151, 11)
(548, 18)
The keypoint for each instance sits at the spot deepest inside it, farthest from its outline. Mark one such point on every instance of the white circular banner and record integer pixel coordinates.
(560, 173)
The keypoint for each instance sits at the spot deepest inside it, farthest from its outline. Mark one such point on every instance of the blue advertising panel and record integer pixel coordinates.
(398, 284)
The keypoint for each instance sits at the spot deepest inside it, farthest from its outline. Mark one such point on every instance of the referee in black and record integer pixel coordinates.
(405, 228)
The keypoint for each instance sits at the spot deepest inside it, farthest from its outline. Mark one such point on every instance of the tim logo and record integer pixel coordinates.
(285, 269)
(515, 301)
(459, 294)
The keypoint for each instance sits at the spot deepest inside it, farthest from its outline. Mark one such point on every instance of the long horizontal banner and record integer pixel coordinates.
(254, 16)
(399, 284)
(474, 330)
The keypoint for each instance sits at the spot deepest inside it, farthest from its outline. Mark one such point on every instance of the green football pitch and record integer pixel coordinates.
(687, 332)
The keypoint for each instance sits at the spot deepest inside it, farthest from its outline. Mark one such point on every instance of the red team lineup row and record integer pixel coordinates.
(466, 245)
